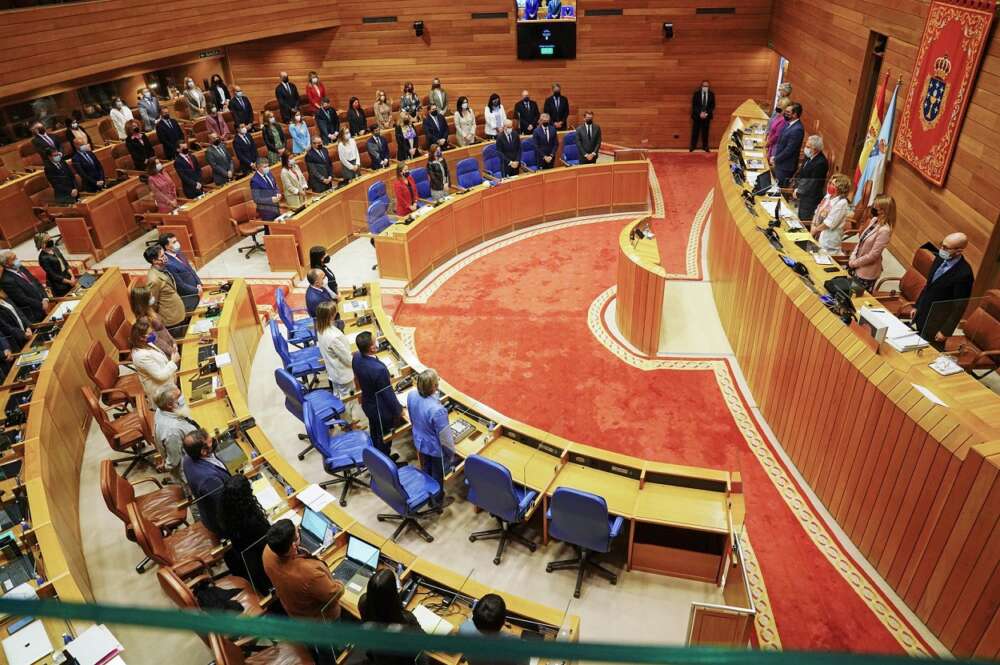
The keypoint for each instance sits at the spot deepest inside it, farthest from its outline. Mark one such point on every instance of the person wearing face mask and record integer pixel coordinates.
(149, 109)
(436, 128)
(327, 122)
(139, 147)
(156, 370)
(61, 178)
(142, 303)
(216, 122)
(264, 191)
(162, 186)
(531, 10)
(42, 141)
(405, 188)
(218, 157)
(350, 160)
(169, 134)
(57, 273)
(546, 141)
(315, 91)
(356, 117)
(163, 291)
(810, 178)
(196, 101)
(245, 148)
(274, 138)
(318, 291)
(22, 288)
(831, 215)
(408, 101)
(382, 110)
(189, 171)
(786, 152)
(89, 168)
(320, 167)
(378, 149)
(120, 115)
(241, 107)
(438, 174)
(465, 122)
(527, 114)
(945, 296)
(588, 139)
(288, 98)
(702, 108)
(776, 126)
(206, 475)
(438, 96)
(299, 131)
(509, 147)
(493, 115)
(557, 107)
(553, 9)
(185, 277)
(865, 262)
(76, 135)
(293, 182)
(406, 138)
(219, 92)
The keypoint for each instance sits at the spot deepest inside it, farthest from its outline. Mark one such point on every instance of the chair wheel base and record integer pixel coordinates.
(301, 456)
(472, 539)
(533, 547)
(380, 519)
(496, 561)
(576, 594)
(343, 502)
(548, 569)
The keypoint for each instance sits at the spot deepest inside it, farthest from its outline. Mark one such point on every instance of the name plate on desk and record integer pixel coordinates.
(604, 465)
(532, 442)
(686, 481)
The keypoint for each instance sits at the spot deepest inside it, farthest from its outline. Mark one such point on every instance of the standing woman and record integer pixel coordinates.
(274, 138)
(776, 127)
(465, 122)
(347, 150)
(292, 182)
(406, 138)
(865, 264)
(77, 135)
(219, 92)
(495, 114)
(335, 349)
(356, 117)
(405, 188)
(315, 91)
(383, 110)
(162, 186)
(139, 147)
(156, 370)
(120, 114)
(141, 301)
(437, 172)
(195, 99)
(57, 273)
(831, 215)
(244, 523)
(409, 102)
(320, 260)
(300, 134)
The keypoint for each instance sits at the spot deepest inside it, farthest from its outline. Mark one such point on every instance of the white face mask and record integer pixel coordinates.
(465, 106)
(944, 254)
(159, 167)
(808, 152)
(176, 246)
(152, 300)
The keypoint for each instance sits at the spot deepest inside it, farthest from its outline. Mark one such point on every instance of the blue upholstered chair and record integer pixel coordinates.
(304, 364)
(378, 217)
(423, 181)
(492, 489)
(570, 151)
(342, 453)
(467, 173)
(326, 406)
(301, 332)
(491, 161)
(406, 490)
(378, 192)
(581, 519)
(528, 158)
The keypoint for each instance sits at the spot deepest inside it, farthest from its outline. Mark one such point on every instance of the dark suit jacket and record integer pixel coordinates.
(403, 145)
(557, 113)
(378, 151)
(217, 98)
(141, 150)
(356, 121)
(190, 175)
(184, 275)
(327, 122)
(63, 182)
(24, 291)
(527, 115)
(205, 481)
(242, 110)
(272, 145)
(287, 99)
(16, 335)
(435, 128)
(43, 147)
(221, 161)
(56, 269)
(319, 166)
(697, 107)
(588, 142)
(170, 135)
(90, 170)
(786, 152)
(545, 146)
(314, 297)
(510, 151)
(246, 150)
(381, 406)
(941, 304)
(263, 191)
(811, 184)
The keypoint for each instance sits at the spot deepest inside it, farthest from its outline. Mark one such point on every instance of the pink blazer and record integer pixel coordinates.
(774, 134)
(866, 259)
(217, 125)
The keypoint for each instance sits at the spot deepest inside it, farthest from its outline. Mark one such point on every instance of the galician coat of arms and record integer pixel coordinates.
(936, 91)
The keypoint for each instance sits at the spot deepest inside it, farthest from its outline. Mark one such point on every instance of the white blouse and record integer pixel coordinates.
(831, 213)
(494, 120)
(348, 153)
(119, 118)
(336, 354)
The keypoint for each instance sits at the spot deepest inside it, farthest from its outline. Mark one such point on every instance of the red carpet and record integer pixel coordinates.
(511, 330)
(685, 180)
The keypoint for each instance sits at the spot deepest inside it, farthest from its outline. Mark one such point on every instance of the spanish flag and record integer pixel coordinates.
(874, 127)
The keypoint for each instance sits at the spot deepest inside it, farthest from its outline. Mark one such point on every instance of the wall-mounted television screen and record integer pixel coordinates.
(546, 29)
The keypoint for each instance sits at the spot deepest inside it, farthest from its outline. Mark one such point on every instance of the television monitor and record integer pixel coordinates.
(545, 31)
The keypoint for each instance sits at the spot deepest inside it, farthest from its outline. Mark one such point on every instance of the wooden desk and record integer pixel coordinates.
(18, 222)
(914, 485)
(641, 282)
(101, 222)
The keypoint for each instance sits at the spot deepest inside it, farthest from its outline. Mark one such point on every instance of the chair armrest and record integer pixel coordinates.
(616, 527)
(189, 567)
(884, 280)
(526, 502)
(116, 391)
(156, 482)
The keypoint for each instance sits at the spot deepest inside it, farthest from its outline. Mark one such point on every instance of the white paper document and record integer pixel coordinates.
(926, 392)
(95, 646)
(431, 623)
(315, 497)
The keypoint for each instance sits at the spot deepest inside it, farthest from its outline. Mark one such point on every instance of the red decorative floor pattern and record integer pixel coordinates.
(685, 180)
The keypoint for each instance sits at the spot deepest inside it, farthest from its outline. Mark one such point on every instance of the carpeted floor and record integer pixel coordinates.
(685, 180)
(511, 329)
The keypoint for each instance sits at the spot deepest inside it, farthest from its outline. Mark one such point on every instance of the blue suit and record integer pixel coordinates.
(185, 276)
(378, 399)
(205, 479)
(546, 144)
(435, 128)
(531, 10)
(314, 297)
(786, 152)
(555, 8)
(246, 151)
(89, 169)
(264, 189)
(190, 174)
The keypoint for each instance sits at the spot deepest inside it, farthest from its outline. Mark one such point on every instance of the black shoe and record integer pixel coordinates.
(394, 456)
(690, 149)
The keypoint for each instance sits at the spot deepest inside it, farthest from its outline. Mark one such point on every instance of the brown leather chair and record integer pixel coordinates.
(118, 328)
(130, 433)
(181, 591)
(226, 652)
(165, 506)
(977, 350)
(188, 550)
(902, 303)
(116, 389)
(241, 217)
(991, 303)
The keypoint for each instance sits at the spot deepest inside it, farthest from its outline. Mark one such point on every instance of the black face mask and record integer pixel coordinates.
(49, 244)
(216, 141)
(874, 211)
(326, 259)
(284, 79)
(185, 151)
(590, 121)
(545, 124)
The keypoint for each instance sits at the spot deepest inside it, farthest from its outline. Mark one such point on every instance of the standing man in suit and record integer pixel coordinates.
(531, 10)
(378, 400)
(319, 166)
(318, 291)
(509, 147)
(786, 151)
(702, 108)
(61, 178)
(43, 142)
(14, 324)
(149, 109)
(945, 296)
(241, 108)
(327, 122)
(811, 178)
(378, 149)
(205, 474)
(288, 97)
(189, 171)
(185, 276)
(557, 107)
(219, 158)
(264, 191)
(588, 139)
(527, 111)
(546, 143)
(245, 148)
(163, 287)
(438, 96)
(436, 128)
(22, 288)
(90, 169)
(170, 134)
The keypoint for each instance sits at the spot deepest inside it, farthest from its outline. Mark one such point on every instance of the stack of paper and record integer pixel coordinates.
(200, 326)
(64, 308)
(822, 259)
(267, 496)
(899, 335)
(431, 623)
(357, 305)
(315, 497)
(223, 359)
(95, 646)
(946, 366)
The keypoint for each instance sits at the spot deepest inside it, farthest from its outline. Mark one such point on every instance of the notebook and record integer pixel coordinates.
(95, 646)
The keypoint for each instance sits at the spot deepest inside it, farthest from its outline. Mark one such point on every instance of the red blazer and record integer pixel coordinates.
(405, 196)
(316, 93)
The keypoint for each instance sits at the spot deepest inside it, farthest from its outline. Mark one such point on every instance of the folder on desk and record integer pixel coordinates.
(431, 623)
(95, 646)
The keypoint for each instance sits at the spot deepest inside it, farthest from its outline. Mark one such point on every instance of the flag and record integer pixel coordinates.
(875, 165)
(874, 127)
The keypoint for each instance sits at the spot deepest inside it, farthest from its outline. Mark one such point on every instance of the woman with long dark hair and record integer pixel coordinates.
(245, 524)
(381, 604)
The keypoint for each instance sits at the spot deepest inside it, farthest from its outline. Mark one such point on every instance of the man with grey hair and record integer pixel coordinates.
(431, 431)
(170, 426)
(784, 92)
(811, 179)
(509, 147)
(22, 288)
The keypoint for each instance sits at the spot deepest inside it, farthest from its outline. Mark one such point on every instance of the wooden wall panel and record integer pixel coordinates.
(826, 79)
(638, 84)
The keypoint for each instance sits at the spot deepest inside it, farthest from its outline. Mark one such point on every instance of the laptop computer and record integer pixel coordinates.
(360, 564)
(313, 530)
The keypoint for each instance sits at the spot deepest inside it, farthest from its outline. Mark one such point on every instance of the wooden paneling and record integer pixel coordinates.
(641, 283)
(638, 84)
(826, 79)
